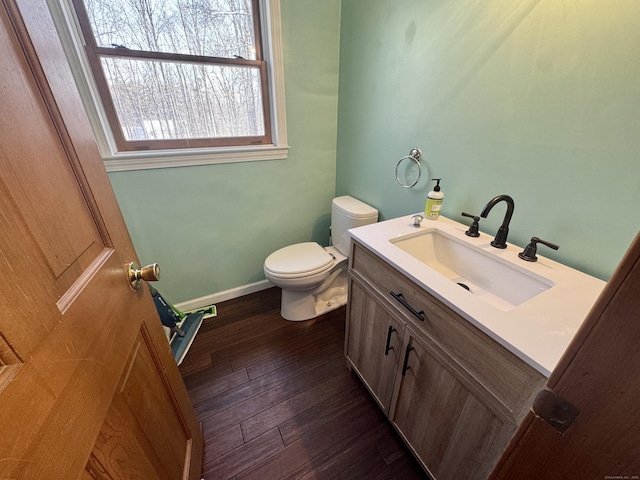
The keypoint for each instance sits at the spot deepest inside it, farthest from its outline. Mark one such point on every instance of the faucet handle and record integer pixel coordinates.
(416, 220)
(473, 228)
(529, 253)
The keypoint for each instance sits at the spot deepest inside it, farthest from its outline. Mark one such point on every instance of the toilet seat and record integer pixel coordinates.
(298, 260)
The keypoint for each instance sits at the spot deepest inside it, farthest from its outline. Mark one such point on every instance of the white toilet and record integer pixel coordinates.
(314, 279)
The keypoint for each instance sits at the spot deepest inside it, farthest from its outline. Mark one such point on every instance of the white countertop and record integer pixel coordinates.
(538, 330)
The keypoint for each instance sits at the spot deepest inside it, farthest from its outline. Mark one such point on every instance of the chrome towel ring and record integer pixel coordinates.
(415, 155)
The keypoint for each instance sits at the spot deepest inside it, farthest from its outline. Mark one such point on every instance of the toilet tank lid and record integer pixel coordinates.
(354, 208)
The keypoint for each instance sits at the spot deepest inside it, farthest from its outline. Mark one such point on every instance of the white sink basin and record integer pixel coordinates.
(491, 278)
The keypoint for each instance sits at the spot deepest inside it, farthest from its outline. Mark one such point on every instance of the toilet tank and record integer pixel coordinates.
(348, 212)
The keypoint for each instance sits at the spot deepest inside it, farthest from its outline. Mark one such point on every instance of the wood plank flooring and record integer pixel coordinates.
(276, 399)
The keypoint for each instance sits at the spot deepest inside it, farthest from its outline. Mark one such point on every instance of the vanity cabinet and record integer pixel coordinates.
(454, 394)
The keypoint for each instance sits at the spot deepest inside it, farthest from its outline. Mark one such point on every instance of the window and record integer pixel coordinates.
(178, 73)
(183, 81)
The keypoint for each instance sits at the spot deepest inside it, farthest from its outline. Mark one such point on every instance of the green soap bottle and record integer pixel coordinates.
(434, 201)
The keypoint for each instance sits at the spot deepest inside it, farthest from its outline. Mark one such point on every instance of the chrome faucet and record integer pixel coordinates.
(500, 240)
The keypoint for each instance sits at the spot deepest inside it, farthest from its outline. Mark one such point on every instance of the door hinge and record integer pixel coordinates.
(554, 410)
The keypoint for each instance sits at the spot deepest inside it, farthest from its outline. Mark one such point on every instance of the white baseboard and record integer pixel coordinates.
(222, 296)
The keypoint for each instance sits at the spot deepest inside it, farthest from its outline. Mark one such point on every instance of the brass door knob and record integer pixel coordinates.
(150, 273)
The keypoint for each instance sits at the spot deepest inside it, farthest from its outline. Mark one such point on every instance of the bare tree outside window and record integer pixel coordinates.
(178, 73)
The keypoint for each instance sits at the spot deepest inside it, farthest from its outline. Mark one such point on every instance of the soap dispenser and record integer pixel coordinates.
(434, 202)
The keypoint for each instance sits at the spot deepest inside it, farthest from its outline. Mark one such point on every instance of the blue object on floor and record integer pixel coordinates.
(168, 316)
(180, 345)
(183, 326)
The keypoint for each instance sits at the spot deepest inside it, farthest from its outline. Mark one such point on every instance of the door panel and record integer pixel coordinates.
(54, 180)
(142, 404)
(452, 431)
(367, 339)
(88, 386)
(40, 190)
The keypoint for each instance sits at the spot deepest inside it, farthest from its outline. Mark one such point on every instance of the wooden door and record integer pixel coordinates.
(594, 423)
(373, 343)
(88, 387)
(453, 432)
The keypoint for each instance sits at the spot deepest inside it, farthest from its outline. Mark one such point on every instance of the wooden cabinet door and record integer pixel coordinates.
(373, 343)
(452, 432)
(88, 387)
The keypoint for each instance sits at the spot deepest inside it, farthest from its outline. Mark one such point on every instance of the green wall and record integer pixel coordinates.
(532, 98)
(211, 227)
(536, 99)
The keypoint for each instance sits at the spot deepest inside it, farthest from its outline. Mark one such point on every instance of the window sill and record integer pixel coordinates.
(122, 162)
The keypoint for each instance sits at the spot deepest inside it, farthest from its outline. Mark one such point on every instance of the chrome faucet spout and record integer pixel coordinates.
(500, 240)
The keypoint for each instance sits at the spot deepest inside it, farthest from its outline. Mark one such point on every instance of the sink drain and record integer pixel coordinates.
(466, 287)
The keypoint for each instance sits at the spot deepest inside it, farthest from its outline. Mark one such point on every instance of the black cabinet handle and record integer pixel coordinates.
(400, 298)
(389, 347)
(405, 365)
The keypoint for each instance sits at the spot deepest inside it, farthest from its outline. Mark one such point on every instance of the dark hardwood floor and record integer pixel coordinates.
(276, 399)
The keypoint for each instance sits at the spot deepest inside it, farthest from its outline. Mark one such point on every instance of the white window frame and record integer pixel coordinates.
(72, 41)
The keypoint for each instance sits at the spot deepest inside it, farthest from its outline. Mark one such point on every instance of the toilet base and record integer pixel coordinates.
(299, 305)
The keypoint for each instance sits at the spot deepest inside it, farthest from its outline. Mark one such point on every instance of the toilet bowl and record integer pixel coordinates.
(313, 278)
